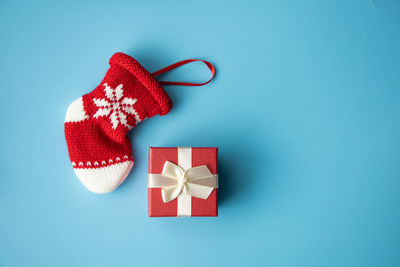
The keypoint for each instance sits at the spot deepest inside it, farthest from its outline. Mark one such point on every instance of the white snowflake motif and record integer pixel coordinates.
(116, 104)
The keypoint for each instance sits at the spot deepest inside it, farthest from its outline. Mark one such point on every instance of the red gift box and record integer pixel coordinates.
(190, 162)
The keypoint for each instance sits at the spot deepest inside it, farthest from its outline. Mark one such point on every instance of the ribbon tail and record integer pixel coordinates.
(199, 191)
(170, 193)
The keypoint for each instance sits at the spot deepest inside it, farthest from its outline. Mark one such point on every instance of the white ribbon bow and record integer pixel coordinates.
(194, 182)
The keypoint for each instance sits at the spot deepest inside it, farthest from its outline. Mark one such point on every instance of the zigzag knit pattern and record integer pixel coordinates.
(96, 123)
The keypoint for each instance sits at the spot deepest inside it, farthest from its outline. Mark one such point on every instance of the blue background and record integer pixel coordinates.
(304, 108)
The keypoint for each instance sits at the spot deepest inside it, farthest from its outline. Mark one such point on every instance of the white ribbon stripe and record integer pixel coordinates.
(196, 182)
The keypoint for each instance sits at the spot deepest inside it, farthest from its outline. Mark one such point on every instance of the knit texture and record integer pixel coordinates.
(96, 123)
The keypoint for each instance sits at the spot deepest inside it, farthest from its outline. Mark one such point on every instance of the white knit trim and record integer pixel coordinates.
(76, 112)
(95, 163)
(105, 179)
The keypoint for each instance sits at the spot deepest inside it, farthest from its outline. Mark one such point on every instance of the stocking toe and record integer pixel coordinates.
(105, 179)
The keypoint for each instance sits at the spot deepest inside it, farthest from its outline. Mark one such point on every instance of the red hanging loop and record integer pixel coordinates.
(181, 63)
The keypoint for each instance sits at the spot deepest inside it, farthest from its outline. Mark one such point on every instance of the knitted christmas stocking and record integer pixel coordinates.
(96, 123)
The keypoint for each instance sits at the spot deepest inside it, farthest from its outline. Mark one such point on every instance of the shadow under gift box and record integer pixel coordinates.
(183, 157)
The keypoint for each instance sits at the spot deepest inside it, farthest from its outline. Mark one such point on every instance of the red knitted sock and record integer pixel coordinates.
(96, 123)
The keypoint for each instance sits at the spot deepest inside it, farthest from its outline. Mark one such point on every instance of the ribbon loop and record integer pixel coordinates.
(172, 171)
(181, 63)
(197, 173)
